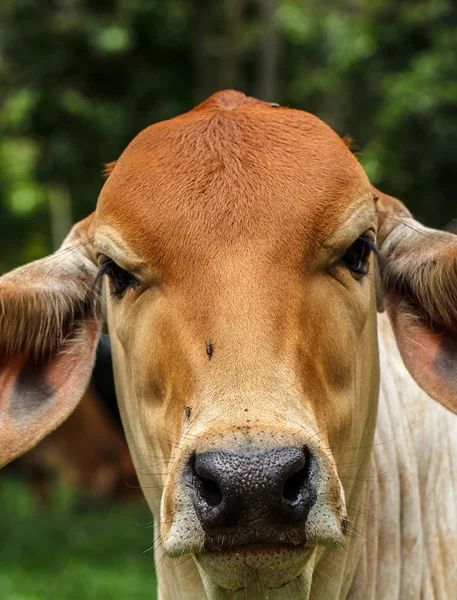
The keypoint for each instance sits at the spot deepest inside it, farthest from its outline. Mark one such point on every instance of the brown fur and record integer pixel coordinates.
(350, 142)
(108, 168)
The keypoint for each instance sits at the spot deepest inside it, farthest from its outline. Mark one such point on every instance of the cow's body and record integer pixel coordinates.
(409, 540)
(238, 241)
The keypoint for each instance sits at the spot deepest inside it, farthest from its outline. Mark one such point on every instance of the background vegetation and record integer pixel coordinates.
(69, 550)
(79, 78)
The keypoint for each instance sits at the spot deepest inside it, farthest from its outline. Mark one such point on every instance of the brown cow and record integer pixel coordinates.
(241, 296)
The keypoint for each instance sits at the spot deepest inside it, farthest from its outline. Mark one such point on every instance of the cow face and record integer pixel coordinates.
(242, 322)
(236, 244)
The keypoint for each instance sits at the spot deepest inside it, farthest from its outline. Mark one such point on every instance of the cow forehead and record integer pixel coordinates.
(233, 168)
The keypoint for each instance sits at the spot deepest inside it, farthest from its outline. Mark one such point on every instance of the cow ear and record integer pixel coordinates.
(419, 281)
(50, 321)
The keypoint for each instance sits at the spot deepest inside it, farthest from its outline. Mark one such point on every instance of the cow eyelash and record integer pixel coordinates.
(357, 256)
(121, 280)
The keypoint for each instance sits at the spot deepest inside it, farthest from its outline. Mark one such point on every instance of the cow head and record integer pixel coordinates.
(237, 245)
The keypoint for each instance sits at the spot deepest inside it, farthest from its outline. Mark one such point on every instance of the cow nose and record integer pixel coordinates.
(253, 495)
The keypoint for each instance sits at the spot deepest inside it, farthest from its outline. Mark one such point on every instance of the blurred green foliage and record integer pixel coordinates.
(68, 551)
(80, 78)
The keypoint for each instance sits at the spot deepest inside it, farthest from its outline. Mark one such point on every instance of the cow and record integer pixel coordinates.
(284, 339)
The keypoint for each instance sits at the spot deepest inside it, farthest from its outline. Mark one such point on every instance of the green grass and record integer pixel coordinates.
(72, 551)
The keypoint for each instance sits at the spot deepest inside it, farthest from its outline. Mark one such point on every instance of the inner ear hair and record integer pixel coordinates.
(426, 286)
(39, 322)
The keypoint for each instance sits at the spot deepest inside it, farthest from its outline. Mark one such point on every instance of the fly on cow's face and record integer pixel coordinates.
(188, 411)
(209, 349)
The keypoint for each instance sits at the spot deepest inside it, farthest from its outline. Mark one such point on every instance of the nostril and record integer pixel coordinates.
(294, 485)
(210, 492)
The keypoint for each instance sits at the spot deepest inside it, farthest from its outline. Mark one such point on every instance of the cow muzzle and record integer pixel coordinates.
(251, 497)
(250, 511)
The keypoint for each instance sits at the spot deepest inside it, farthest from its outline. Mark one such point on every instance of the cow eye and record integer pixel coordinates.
(356, 257)
(121, 280)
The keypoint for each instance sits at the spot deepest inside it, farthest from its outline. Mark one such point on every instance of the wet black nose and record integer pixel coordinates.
(253, 496)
